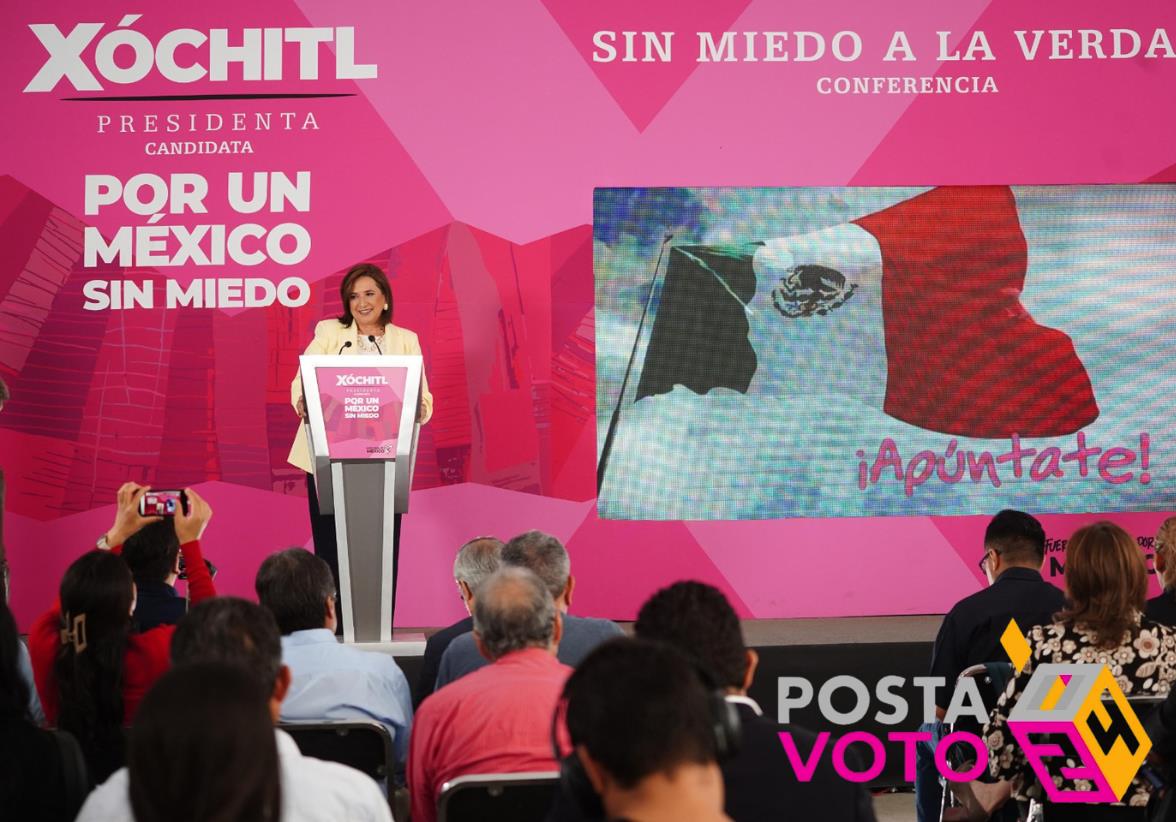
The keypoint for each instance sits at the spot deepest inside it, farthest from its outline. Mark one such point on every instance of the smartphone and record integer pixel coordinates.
(162, 503)
(212, 569)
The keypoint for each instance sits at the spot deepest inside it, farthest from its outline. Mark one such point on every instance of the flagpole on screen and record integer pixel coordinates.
(616, 414)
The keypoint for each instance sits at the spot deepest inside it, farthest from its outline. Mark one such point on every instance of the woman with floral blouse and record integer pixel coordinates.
(1103, 623)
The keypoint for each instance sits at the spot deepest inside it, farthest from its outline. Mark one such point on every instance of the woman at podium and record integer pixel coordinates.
(364, 327)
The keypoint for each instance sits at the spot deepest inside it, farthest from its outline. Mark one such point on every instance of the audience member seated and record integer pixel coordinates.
(32, 765)
(760, 782)
(328, 680)
(1162, 608)
(546, 557)
(1014, 551)
(91, 670)
(1103, 623)
(153, 555)
(201, 748)
(645, 737)
(1160, 727)
(476, 560)
(236, 632)
(497, 719)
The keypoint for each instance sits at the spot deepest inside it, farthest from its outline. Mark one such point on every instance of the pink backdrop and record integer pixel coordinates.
(466, 168)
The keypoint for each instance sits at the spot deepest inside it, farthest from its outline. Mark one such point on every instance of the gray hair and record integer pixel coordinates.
(543, 555)
(514, 611)
(477, 560)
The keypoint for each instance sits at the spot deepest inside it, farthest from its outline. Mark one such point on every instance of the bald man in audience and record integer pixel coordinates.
(498, 718)
(546, 557)
(475, 561)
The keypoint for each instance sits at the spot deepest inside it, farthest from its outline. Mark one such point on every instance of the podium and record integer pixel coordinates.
(363, 437)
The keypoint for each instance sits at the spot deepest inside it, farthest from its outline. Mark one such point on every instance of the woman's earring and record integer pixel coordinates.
(385, 306)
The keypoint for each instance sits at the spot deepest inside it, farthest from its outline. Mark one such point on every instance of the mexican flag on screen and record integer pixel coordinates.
(914, 309)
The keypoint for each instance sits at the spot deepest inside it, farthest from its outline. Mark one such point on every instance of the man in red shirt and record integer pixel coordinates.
(498, 718)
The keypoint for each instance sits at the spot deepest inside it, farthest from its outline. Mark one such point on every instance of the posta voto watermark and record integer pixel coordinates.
(1067, 713)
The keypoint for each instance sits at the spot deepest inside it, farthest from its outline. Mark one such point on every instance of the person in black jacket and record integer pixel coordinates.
(760, 782)
(1014, 552)
(153, 555)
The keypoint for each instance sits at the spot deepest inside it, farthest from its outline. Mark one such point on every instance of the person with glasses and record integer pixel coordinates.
(1014, 551)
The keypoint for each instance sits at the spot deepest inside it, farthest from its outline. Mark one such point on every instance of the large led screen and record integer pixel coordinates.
(848, 352)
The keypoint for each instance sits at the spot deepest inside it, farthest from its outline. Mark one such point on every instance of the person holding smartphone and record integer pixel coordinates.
(152, 552)
(91, 668)
(364, 327)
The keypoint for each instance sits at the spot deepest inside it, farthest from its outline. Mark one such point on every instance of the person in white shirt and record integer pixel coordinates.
(227, 629)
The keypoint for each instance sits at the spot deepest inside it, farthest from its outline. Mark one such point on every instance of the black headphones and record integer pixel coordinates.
(573, 779)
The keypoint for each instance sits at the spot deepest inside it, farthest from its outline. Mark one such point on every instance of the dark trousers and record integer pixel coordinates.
(322, 528)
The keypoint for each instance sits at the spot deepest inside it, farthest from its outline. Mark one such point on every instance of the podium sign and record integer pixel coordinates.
(363, 435)
(361, 410)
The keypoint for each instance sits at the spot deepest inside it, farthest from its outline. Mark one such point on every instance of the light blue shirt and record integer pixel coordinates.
(25, 665)
(334, 681)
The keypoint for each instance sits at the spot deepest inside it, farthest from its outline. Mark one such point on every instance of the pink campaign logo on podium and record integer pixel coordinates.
(361, 410)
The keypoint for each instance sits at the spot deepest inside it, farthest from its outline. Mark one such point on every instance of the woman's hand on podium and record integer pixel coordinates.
(300, 407)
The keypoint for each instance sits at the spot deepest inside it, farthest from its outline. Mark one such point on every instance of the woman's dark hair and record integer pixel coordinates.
(96, 597)
(203, 748)
(1106, 582)
(14, 691)
(353, 274)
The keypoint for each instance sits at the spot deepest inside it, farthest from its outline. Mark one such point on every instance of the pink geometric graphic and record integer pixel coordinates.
(1028, 131)
(642, 89)
(641, 557)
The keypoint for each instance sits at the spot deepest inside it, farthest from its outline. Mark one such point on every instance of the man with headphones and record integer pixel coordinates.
(760, 782)
(648, 732)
